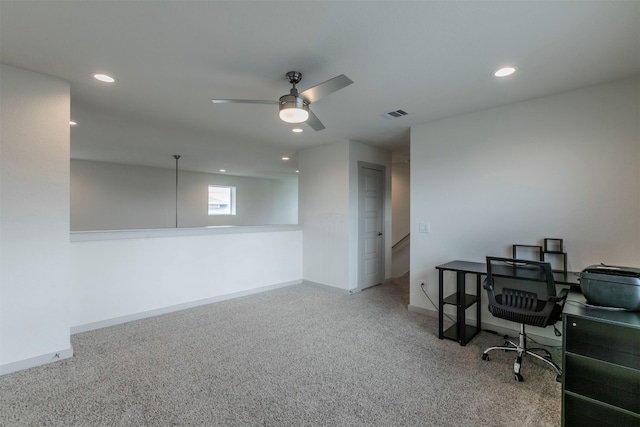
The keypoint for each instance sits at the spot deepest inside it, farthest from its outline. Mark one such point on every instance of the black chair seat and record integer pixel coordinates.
(524, 307)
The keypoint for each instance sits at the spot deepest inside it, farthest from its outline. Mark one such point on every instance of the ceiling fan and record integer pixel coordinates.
(294, 107)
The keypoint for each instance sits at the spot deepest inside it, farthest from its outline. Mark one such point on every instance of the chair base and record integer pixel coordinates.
(521, 350)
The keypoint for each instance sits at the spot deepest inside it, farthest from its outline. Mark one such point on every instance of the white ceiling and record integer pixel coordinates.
(432, 59)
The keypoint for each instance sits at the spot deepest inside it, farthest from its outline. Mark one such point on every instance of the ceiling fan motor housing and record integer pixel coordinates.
(293, 108)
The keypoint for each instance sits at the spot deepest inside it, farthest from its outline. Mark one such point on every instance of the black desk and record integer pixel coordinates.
(460, 331)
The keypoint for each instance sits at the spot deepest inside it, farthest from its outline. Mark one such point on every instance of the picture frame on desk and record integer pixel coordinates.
(553, 245)
(527, 252)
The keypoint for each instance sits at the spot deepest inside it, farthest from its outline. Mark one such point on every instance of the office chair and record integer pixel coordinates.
(524, 291)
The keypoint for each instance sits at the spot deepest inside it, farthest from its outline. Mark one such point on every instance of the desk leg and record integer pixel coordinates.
(440, 304)
(478, 303)
(462, 324)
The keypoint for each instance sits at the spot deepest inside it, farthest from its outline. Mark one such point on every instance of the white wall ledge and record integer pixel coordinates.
(87, 236)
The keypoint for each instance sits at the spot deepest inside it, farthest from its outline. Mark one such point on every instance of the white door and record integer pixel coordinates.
(371, 234)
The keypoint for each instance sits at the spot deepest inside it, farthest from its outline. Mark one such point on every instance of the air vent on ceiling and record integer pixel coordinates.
(395, 114)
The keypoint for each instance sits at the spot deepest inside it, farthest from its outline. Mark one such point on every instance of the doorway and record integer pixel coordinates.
(371, 191)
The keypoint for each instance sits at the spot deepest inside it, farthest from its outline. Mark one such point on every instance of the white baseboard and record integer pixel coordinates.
(347, 291)
(36, 361)
(421, 310)
(513, 333)
(165, 310)
(362, 288)
(322, 285)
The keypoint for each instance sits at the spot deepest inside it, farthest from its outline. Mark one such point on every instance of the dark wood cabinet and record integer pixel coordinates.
(601, 367)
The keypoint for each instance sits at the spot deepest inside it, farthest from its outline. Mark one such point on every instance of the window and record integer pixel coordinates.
(222, 200)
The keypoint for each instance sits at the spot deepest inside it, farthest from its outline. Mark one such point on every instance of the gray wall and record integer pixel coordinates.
(329, 211)
(109, 196)
(34, 219)
(562, 166)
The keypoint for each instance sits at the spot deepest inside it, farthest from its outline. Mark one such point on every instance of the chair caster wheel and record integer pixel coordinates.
(485, 356)
(518, 377)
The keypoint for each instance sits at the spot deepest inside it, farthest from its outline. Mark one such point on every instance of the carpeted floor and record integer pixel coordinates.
(296, 356)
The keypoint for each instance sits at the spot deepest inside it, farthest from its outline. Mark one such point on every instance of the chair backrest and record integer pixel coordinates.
(523, 275)
(519, 290)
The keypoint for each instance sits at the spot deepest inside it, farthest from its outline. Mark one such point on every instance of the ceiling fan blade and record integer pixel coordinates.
(243, 101)
(325, 88)
(314, 122)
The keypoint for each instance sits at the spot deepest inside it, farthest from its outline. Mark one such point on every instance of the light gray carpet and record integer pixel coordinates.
(296, 356)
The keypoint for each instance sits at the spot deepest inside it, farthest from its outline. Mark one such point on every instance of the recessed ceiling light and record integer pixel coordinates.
(104, 78)
(297, 171)
(72, 123)
(223, 170)
(285, 158)
(296, 130)
(504, 71)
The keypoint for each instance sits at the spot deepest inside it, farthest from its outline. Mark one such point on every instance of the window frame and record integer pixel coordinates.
(231, 210)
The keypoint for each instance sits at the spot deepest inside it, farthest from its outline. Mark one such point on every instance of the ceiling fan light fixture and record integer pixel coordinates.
(293, 109)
